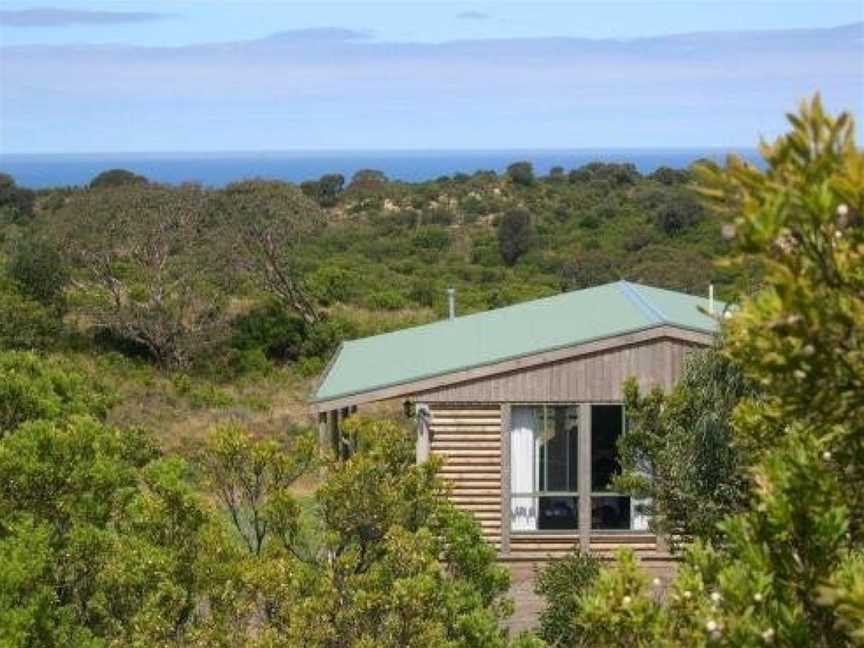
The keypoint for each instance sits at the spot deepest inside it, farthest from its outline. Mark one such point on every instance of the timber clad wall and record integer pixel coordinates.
(468, 437)
(586, 378)
(466, 430)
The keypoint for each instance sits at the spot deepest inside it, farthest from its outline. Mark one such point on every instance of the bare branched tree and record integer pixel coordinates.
(139, 256)
(270, 221)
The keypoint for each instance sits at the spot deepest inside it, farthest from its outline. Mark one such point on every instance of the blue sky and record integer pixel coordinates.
(214, 75)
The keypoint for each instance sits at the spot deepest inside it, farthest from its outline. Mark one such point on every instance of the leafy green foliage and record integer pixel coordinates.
(25, 323)
(561, 583)
(521, 173)
(36, 388)
(379, 245)
(39, 270)
(797, 339)
(270, 220)
(16, 203)
(605, 175)
(117, 178)
(679, 449)
(252, 479)
(112, 533)
(142, 267)
(326, 190)
(787, 569)
(271, 330)
(389, 533)
(515, 235)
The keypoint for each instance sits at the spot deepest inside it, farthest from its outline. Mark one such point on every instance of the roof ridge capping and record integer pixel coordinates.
(651, 311)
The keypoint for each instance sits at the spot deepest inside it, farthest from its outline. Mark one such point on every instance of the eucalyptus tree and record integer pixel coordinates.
(141, 267)
(264, 226)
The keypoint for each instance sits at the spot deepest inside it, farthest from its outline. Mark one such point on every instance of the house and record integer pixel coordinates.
(524, 404)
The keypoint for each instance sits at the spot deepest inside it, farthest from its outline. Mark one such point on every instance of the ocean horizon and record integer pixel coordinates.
(43, 170)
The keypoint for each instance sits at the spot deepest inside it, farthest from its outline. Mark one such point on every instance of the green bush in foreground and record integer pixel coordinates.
(680, 452)
(390, 562)
(788, 571)
(24, 322)
(98, 538)
(561, 583)
(33, 387)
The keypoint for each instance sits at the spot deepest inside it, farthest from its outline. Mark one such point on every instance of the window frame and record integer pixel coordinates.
(576, 531)
(537, 494)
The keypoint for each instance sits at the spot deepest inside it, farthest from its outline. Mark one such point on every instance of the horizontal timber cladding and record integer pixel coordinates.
(591, 377)
(468, 439)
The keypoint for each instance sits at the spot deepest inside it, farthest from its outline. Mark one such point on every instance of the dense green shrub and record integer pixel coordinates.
(607, 174)
(407, 568)
(16, 203)
(332, 284)
(33, 387)
(677, 212)
(387, 300)
(588, 268)
(99, 538)
(431, 239)
(438, 216)
(25, 323)
(272, 330)
(325, 336)
(326, 190)
(668, 176)
(680, 451)
(561, 582)
(117, 178)
(39, 270)
(787, 570)
(515, 234)
(521, 173)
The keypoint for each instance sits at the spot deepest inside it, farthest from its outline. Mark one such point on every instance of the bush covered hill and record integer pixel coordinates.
(195, 302)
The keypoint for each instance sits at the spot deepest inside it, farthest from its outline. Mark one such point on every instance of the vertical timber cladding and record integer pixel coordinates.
(468, 438)
(593, 377)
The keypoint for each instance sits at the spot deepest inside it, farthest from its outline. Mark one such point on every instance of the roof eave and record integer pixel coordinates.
(320, 381)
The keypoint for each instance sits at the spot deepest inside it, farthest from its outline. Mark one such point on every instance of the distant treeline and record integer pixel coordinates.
(268, 271)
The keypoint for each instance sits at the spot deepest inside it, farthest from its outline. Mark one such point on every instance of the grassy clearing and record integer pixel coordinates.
(179, 408)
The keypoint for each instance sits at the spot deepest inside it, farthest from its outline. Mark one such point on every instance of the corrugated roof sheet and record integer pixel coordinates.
(567, 319)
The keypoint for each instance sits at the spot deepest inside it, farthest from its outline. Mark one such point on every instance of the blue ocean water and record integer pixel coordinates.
(218, 169)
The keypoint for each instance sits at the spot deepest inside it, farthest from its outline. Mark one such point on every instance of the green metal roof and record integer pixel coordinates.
(447, 345)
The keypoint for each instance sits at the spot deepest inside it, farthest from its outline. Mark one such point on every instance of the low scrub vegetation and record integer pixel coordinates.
(138, 316)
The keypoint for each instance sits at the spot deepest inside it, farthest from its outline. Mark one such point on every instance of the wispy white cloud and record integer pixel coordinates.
(334, 88)
(319, 35)
(53, 17)
(473, 15)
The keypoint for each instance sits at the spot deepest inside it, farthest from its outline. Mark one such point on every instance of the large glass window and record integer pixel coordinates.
(609, 510)
(544, 467)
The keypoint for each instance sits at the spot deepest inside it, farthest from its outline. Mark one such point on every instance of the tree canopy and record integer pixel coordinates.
(788, 568)
(142, 266)
(117, 178)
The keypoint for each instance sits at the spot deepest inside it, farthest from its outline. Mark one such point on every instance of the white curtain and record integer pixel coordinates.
(523, 510)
